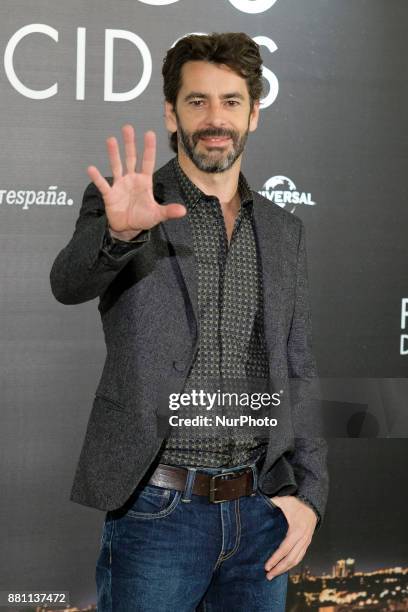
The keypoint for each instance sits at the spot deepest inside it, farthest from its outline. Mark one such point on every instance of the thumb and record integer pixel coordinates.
(173, 211)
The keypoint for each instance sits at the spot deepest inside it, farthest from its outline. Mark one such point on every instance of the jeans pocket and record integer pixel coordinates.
(268, 501)
(152, 502)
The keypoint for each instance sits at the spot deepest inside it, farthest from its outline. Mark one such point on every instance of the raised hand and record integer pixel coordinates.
(129, 203)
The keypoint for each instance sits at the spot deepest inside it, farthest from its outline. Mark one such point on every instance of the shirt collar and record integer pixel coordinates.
(194, 194)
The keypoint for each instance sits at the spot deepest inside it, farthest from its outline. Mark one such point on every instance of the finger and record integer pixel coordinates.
(172, 211)
(149, 153)
(291, 560)
(97, 178)
(281, 568)
(114, 157)
(130, 147)
(281, 552)
(286, 548)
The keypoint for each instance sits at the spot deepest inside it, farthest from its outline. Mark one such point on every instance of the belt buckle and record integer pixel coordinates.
(213, 488)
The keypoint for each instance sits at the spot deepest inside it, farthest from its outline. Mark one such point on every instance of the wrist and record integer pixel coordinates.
(310, 505)
(291, 500)
(125, 236)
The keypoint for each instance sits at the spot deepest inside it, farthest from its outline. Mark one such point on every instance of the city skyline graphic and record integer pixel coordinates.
(344, 588)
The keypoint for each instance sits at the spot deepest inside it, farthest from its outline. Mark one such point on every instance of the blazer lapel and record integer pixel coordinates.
(268, 230)
(178, 232)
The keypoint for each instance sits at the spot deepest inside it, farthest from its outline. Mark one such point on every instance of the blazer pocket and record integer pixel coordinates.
(110, 402)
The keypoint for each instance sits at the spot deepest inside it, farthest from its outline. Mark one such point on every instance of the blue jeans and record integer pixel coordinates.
(173, 551)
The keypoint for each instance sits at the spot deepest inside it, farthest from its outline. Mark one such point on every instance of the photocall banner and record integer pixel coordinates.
(331, 148)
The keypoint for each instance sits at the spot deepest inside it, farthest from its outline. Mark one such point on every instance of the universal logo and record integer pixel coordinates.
(26, 198)
(282, 191)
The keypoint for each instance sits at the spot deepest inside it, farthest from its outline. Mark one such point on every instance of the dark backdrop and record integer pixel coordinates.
(334, 127)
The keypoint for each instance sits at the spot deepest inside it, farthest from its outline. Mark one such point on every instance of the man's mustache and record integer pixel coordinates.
(213, 134)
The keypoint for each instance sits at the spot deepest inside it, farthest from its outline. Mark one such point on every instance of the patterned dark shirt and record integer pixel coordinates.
(231, 342)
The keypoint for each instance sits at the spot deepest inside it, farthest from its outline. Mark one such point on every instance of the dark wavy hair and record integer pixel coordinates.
(233, 49)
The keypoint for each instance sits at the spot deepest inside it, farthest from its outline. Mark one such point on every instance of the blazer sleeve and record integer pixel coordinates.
(309, 459)
(84, 269)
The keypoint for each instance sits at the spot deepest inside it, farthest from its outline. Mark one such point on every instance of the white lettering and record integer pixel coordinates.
(124, 96)
(40, 197)
(185, 399)
(158, 2)
(52, 195)
(80, 73)
(11, 197)
(35, 94)
(278, 197)
(404, 312)
(62, 197)
(20, 196)
(268, 74)
(252, 6)
(29, 199)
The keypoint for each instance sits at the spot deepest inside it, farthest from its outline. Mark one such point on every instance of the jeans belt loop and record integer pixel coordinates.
(254, 469)
(191, 474)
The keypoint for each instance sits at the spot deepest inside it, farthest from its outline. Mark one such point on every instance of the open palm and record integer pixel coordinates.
(129, 203)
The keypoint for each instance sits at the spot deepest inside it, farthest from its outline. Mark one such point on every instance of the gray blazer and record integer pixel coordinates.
(148, 306)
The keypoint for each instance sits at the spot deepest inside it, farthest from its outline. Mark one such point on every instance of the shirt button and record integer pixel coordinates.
(179, 365)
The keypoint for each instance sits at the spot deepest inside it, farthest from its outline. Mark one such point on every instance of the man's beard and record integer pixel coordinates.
(209, 161)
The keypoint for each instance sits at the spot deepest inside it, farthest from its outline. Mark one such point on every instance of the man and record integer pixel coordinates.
(198, 277)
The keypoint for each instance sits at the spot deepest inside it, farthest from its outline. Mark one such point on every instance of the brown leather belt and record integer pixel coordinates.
(217, 487)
